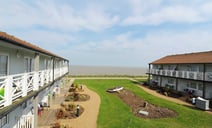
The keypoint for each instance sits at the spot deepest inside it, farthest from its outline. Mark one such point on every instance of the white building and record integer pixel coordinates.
(28, 74)
(184, 72)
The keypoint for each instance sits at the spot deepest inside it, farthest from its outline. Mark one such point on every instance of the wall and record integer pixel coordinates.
(182, 84)
(17, 56)
(15, 115)
(208, 90)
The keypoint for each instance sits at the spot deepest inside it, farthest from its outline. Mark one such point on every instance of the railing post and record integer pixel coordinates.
(35, 106)
(24, 85)
(35, 81)
(51, 75)
(47, 76)
(42, 78)
(8, 91)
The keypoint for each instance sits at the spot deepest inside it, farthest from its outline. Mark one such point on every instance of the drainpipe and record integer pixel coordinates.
(161, 76)
(203, 91)
(36, 88)
(149, 74)
(176, 84)
(176, 69)
(53, 69)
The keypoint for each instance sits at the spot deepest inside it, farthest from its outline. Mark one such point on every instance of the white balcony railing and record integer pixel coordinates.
(183, 74)
(25, 122)
(19, 85)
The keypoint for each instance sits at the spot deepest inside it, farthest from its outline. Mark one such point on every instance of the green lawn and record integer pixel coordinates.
(114, 113)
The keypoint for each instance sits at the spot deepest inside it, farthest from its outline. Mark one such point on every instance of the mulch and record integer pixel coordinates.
(136, 104)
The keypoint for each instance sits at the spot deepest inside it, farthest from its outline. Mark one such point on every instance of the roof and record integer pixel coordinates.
(18, 42)
(189, 58)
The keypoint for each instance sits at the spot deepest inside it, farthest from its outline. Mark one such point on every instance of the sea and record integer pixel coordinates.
(82, 70)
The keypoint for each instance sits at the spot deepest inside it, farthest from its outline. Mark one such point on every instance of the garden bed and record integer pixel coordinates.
(69, 111)
(137, 104)
(76, 97)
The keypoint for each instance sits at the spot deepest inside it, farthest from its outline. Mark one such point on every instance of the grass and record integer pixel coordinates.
(114, 113)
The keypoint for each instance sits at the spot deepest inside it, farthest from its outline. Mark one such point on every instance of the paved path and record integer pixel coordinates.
(88, 118)
(48, 115)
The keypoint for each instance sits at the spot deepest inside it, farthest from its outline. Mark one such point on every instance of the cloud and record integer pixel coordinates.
(130, 32)
(157, 12)
(130, 50)
(52, 15)
(52, 41)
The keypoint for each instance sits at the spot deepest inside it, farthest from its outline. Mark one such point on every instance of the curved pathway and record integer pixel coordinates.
(175, 100)
(89, 117)
(153, 92)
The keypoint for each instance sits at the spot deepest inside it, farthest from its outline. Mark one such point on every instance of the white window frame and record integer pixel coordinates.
(8, 61)
(31, 69)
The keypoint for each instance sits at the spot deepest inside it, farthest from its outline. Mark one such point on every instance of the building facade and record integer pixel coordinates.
(190, 72)
(28, 74)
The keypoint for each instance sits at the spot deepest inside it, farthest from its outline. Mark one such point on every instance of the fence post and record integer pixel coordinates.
(8, 91)
(24, 85)
(42, 78)
(35, 81)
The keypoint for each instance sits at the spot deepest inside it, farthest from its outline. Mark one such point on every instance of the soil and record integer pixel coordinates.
(76, 97)
(69, 111)
(137, 104)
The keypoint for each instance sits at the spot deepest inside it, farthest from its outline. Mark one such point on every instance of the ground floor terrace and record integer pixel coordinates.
(197, 88)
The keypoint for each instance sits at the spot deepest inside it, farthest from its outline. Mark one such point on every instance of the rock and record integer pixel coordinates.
(143, 112)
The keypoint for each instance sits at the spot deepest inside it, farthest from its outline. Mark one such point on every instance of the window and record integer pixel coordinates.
(170, 81)
(3, 65)
(3, 121)
(48, 64)
(200, 87)
(28, 64)
(192, 85)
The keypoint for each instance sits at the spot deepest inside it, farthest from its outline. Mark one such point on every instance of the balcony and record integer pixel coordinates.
(183, 74)
(16, 86)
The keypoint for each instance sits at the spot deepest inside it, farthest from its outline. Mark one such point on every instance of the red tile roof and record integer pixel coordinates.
(194, 58)
(16, 41)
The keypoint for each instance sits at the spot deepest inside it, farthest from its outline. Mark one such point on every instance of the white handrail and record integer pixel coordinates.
(19, 85)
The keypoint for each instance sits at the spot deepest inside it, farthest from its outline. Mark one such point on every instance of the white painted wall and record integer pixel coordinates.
(16, 114)
(16, 63)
